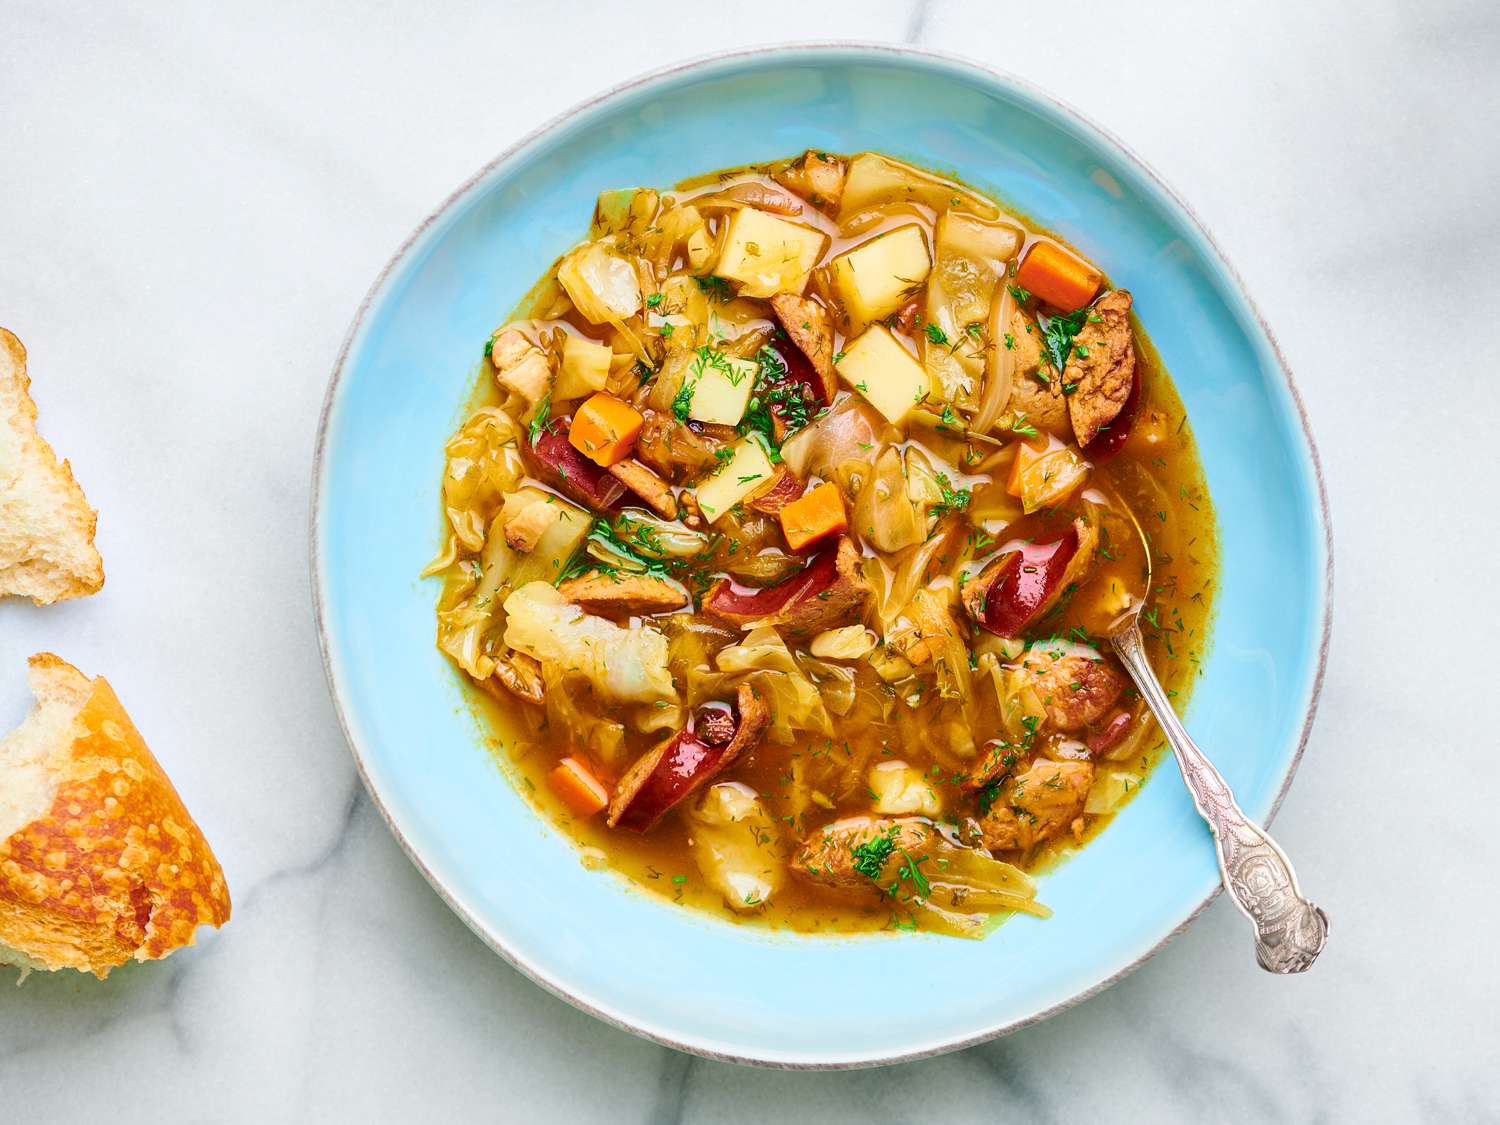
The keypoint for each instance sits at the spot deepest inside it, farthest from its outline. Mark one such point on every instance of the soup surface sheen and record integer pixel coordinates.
(782, 538)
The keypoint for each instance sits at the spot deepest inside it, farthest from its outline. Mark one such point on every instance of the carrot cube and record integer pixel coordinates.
(1063, 280)
(817, 513)
(579, 789)
(604, 429)
(1027, 455)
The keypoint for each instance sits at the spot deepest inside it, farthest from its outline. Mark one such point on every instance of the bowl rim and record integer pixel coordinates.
(955, 64)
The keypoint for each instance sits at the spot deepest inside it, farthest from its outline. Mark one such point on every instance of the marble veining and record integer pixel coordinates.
(192, 202)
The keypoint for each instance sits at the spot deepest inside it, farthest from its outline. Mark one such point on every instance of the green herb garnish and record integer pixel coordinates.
(954, 499)
(541, 421)
(1057, 337)
(716, 289)
(871, 856)
(682, 401)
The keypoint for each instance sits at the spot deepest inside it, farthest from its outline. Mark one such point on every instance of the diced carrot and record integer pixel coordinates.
(1063, 280)
(579, 789)
(604, 429)
(819, 512)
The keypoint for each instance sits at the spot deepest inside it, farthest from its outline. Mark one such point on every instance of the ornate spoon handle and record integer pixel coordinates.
(1290, 930)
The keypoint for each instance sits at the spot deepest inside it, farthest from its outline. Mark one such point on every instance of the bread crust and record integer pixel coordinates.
(62, 562)
(116, 869)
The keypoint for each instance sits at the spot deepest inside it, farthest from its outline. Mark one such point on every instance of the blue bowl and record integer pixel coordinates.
(686, 979)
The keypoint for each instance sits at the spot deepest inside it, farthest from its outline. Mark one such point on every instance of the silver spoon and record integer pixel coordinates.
(1290, 929)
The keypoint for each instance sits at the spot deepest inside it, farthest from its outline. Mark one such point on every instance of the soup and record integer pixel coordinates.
(792, 509)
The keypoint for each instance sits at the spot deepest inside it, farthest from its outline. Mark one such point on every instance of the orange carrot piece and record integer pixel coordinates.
(1026, 456)
(819, 512)
(579, 789)
(604, 429)
(1063, 280)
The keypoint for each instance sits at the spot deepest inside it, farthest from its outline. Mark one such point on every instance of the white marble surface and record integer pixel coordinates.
(193, 199)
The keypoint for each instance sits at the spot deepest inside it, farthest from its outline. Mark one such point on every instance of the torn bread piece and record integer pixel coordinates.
(46, 525)
(100, 863)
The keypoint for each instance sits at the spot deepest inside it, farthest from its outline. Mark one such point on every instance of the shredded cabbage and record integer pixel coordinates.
(846, 433)
(878, 179)
(622, 663)
(883, 510)
(484, 463)
(568, 698)
(794, 700)
(970, 261)
(603, 285)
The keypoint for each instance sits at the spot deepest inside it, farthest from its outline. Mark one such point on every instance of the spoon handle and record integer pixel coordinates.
(1290, 930)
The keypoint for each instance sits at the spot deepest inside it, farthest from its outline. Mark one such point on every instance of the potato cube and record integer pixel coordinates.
(746, 470)
(719, 387)
(890, 378)
(585, 369)
(767, 255)
(877, 277)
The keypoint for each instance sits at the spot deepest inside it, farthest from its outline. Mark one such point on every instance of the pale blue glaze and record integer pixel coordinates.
(676, 975)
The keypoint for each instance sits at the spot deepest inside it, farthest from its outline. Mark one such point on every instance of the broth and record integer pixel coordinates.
(821, 776)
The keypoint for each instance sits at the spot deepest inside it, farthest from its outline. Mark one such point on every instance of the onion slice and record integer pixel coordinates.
(1000, 363)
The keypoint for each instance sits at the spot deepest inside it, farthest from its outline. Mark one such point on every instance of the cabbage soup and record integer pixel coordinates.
(791, 510)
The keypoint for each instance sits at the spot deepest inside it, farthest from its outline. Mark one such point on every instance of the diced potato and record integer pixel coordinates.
(624, 211)
(767, 255)
(1114, 599)
(602, 285)
(585, 369)
(612, 211)
(877, 277)
(901, 790)
(747, 468)
(889, 377)
(720, 387)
